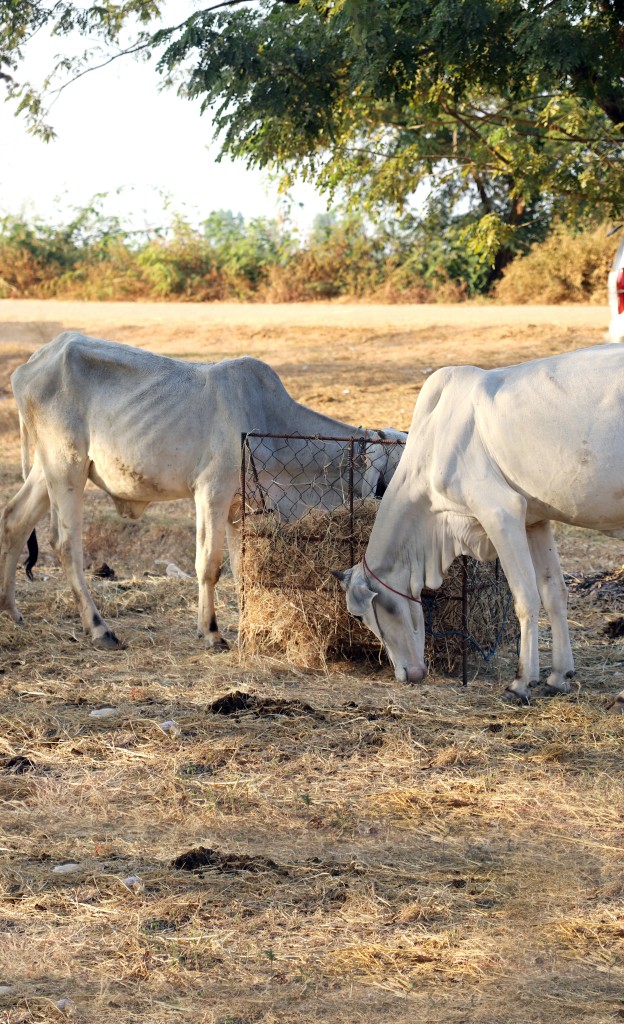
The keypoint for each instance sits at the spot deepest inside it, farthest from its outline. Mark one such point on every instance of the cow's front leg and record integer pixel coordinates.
(507, 531)
(554, 595)
(211, 517)
(66, 497)
(16, 523)
(233, 533)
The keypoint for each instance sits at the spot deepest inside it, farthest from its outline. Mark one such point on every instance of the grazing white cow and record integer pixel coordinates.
(491, 458)
(147, 428)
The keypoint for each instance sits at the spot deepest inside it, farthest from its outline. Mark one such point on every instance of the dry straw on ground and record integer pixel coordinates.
(292, 607)
(380, 853)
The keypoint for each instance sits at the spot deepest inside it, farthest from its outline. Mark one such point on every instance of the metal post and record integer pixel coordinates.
(351, 515)
(464, 621)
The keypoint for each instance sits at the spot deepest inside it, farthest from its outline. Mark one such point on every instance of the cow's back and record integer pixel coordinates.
(552, 429)
(555, 429)
(76, 367)
(160, 419)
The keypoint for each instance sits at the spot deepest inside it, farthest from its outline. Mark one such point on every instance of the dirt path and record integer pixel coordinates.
(86, 315)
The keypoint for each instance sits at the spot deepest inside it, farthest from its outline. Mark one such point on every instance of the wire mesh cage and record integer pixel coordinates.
(308, 505)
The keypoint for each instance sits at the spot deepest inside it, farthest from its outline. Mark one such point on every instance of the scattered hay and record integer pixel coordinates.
(292, 606)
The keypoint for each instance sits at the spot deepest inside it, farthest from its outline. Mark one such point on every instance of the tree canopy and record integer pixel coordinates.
(510, 112)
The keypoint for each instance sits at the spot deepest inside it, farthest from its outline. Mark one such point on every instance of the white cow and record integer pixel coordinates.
(491, 458)
(146, 428)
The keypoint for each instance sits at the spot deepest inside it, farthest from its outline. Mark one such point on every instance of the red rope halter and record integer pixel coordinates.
(416, 600)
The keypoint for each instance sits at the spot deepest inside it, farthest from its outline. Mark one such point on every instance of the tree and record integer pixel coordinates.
(515, 107)
(511, 110)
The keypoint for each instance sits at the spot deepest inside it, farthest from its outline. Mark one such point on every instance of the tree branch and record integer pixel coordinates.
(130, 50)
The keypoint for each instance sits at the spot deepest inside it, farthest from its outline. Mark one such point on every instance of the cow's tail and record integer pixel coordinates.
(33, 546)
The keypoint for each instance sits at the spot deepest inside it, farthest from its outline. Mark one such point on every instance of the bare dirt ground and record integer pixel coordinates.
(364, 851)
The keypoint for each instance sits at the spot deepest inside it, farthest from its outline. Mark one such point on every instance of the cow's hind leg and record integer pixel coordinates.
(21, 514)
(212, 514)
(66, 497)
(554, 595)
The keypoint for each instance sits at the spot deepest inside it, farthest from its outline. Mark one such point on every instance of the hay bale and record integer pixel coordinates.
(292, 607)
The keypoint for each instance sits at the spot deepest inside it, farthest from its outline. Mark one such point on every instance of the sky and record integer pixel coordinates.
(116, 131)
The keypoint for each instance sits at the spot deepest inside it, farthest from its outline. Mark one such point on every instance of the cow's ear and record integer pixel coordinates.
(344, 578)
(360, 599)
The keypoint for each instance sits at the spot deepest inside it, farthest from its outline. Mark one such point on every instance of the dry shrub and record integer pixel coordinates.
(405, 288)
(115, 278)
(292, 607)
(23, 276)
(283, 285)
(566, 267)
(394, 293)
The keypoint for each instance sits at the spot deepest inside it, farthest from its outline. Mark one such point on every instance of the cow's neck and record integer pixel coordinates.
(392, 551)
(309, 422)
(410, 546)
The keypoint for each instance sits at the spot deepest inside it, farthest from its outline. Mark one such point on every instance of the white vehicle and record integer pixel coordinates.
(616, 294)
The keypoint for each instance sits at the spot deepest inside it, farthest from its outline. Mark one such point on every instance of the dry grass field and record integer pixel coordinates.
(363, 851)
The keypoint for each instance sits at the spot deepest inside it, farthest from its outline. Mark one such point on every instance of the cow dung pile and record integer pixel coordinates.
(293, 608)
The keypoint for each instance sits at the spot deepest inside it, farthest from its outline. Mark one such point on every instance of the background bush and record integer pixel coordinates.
(566, 267)
(228, 257)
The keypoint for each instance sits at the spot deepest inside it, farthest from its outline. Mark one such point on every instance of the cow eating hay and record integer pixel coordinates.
(291, 606)
(492, 457)
(146, 428)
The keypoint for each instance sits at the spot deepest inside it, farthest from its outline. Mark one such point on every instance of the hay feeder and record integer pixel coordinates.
(306, 506)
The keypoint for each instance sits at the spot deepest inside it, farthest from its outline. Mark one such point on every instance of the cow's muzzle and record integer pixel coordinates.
(411, 674)
(417, 674)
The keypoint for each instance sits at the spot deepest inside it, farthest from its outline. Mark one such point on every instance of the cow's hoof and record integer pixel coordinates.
(107, 642)
(218, 646)
(513, 697)
(556, 683)
(553, 691)
(13, 613)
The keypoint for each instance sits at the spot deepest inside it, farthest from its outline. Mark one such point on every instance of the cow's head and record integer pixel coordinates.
(395, 619)
(381, 461)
